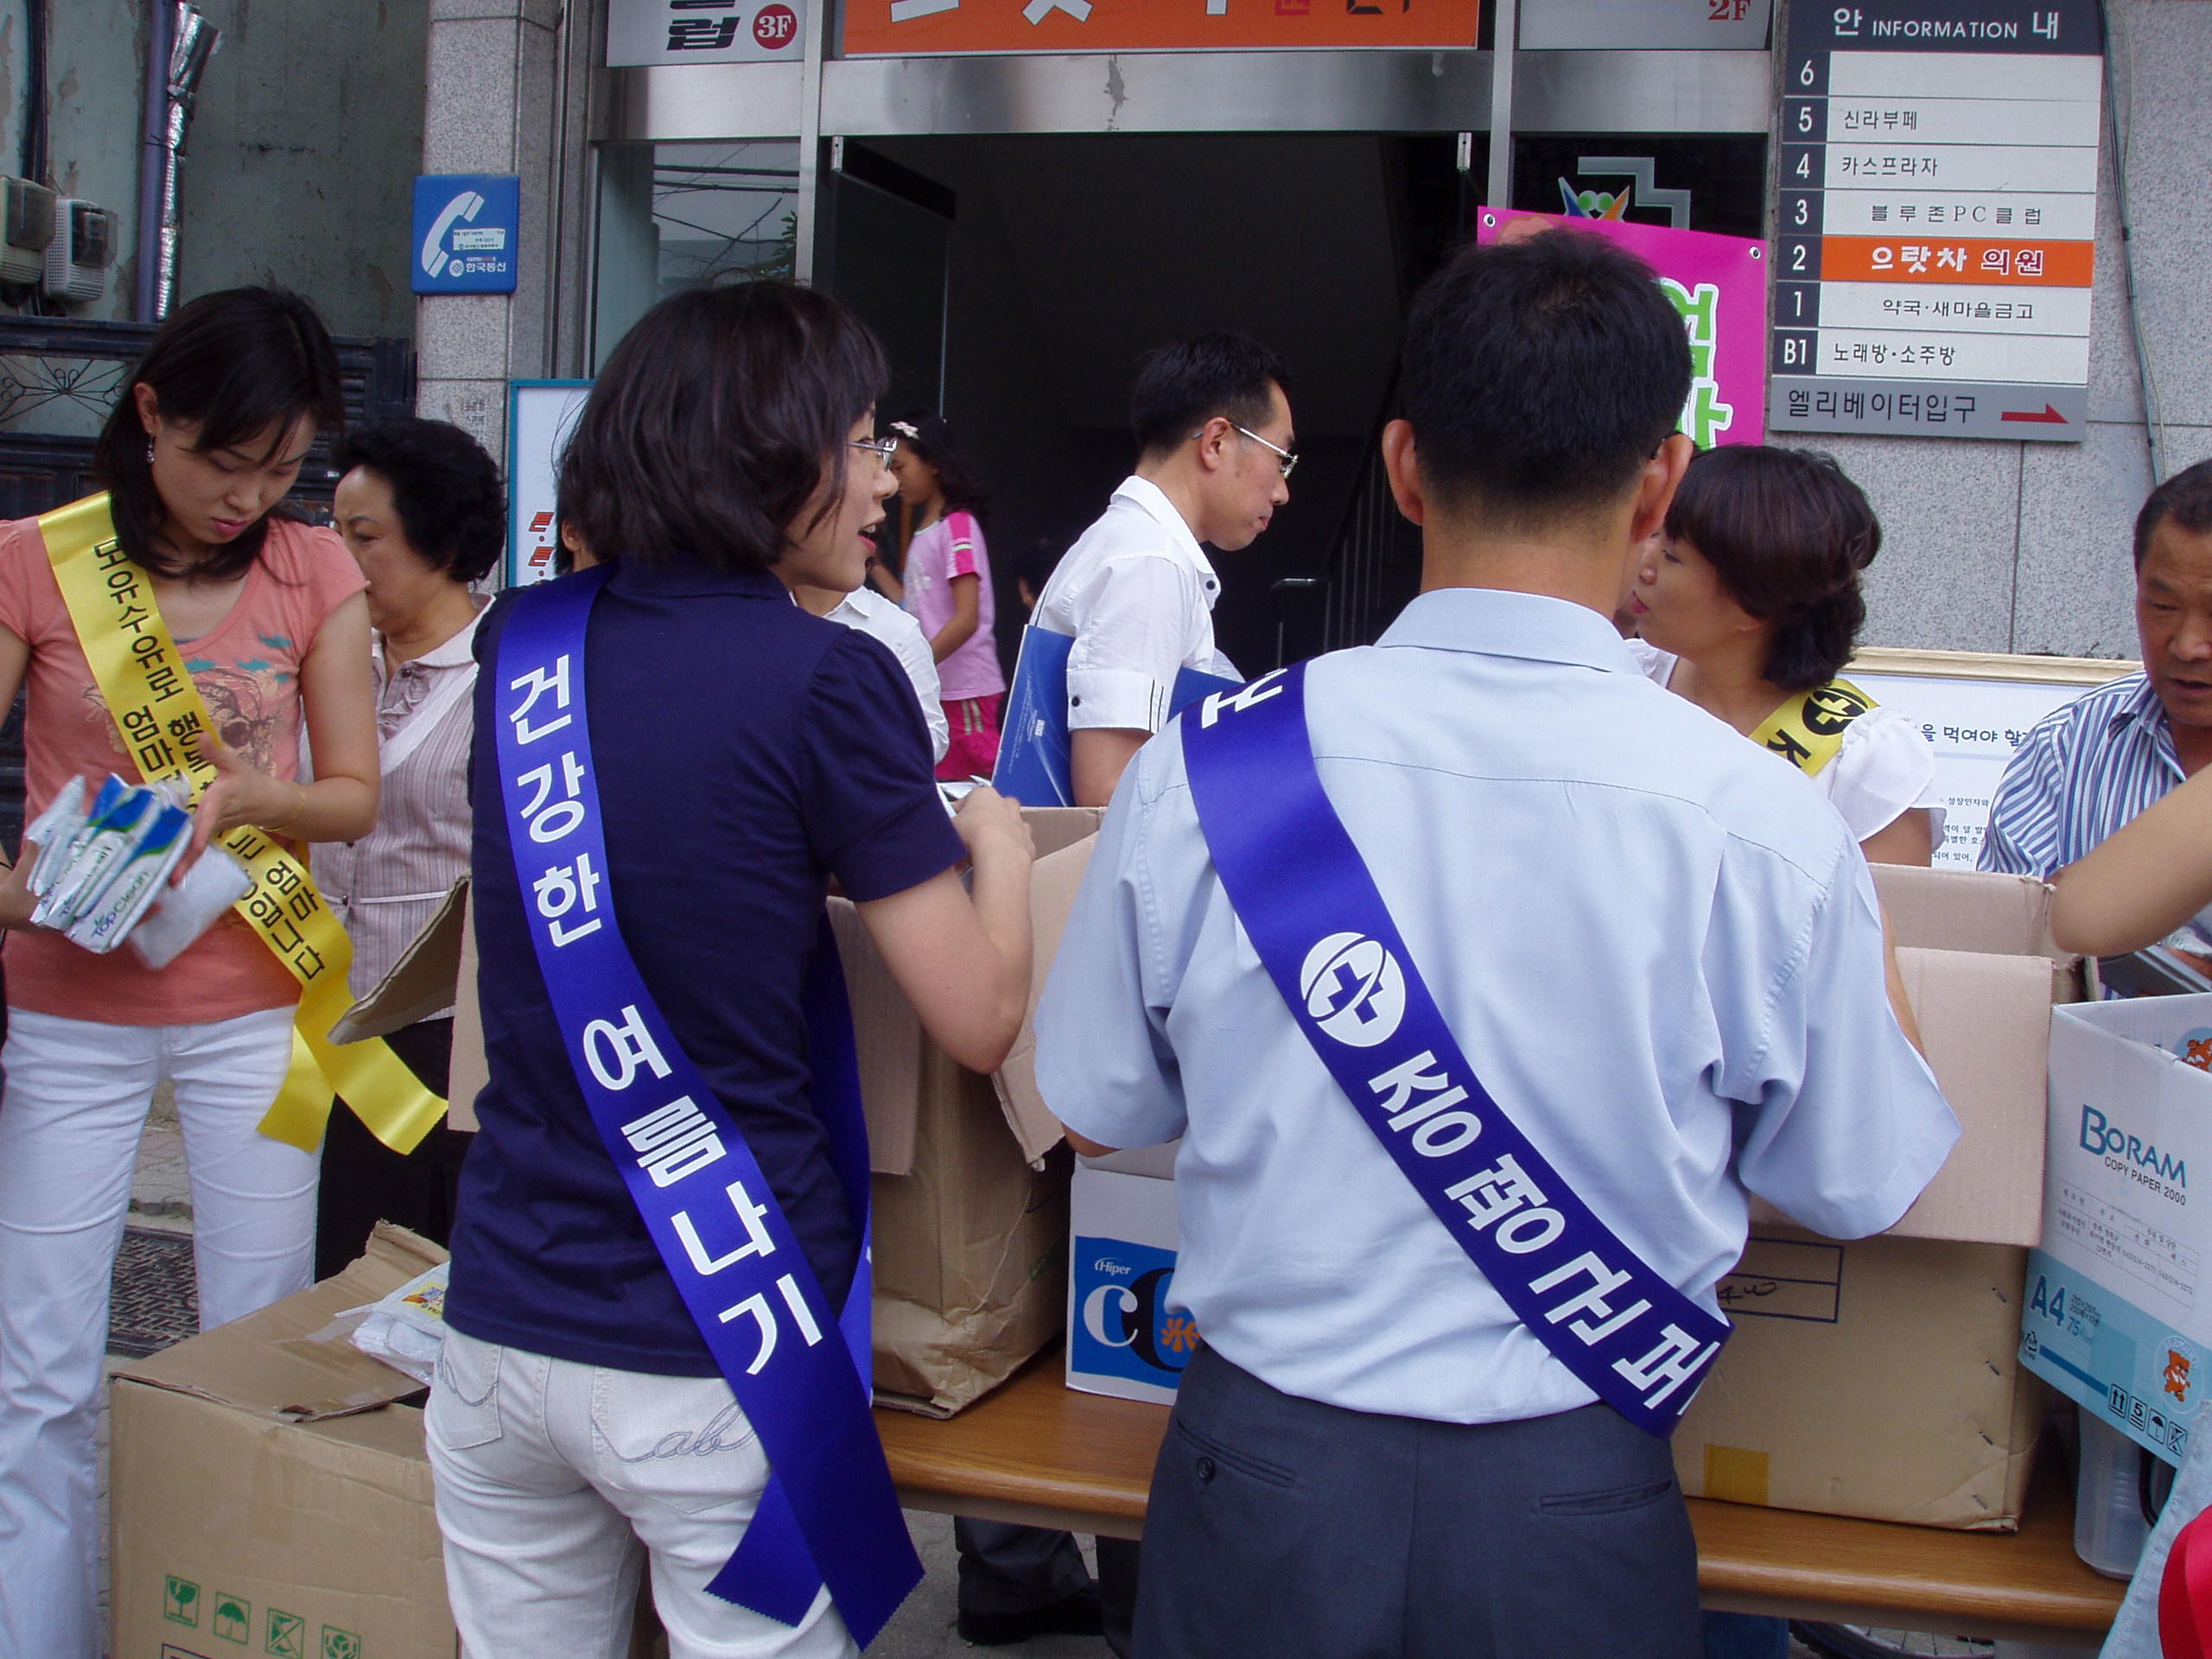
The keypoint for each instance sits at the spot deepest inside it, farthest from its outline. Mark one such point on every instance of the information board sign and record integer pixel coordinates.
(882, 27)
(541, 414)
(703, 31)
(1937, 218)
(1718, 285)
(1976, 709)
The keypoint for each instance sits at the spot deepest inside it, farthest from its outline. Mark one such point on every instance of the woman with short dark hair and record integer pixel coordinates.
(734, 752)
(201, 448)
(1749, 607)
(423, 513)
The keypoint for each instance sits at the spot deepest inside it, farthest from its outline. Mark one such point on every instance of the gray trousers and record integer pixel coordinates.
(1010, 1569)
(1280, 1526)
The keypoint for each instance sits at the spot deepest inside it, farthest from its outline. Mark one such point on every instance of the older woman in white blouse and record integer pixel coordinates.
(422, 512)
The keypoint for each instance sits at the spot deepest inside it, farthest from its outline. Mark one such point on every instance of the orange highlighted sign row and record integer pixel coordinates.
(1925, 258)
(877, 27)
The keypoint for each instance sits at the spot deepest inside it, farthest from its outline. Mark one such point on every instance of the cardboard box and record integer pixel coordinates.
(2116, 1317)
(968, 1244)
(1122, 1339)
(970, 1190)
(1875, 1378)
(272, 1496)
(1872, 1378)
(423, 983)
(1054, 880)
(1968, 910)
(436, 972)
(269, 1496)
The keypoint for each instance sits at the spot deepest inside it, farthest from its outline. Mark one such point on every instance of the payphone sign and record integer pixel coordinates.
(921, 28)
(1937, 220)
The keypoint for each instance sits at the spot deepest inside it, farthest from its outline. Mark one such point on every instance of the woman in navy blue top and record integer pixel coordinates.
(747, 754)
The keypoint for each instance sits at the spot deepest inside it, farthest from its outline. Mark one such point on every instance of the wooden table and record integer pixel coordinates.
(1036, 1452)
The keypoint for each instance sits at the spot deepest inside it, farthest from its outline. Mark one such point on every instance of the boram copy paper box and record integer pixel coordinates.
(2118, 1315)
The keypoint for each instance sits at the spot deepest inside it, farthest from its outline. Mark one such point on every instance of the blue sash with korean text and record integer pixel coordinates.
(1313, 913)
(829, 1515)
(1033, 764)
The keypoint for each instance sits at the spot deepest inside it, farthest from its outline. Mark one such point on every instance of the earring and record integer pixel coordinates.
(149, 449)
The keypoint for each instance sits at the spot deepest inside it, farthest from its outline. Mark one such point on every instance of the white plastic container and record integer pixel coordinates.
(2108, 1526)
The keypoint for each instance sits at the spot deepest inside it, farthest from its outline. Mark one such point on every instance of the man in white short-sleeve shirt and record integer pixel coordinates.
(1136, 592)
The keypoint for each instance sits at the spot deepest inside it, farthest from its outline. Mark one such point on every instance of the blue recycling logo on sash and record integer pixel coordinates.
(1354, 989)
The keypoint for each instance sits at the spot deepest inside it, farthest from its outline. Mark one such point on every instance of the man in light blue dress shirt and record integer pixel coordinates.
(1659, 949)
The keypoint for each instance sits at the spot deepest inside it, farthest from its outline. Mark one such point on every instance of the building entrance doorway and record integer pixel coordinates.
(1027, 275)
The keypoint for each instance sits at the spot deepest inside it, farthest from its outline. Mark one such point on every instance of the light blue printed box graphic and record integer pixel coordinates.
(1124, 1337)
(2118, 1316)
(2138, 1374)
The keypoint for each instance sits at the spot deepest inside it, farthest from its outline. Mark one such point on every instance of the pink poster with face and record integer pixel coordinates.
(1719, 284)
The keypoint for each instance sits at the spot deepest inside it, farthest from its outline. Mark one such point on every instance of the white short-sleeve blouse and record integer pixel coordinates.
(1884, 768)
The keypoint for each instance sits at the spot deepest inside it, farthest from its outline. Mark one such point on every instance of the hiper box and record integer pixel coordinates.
(1123, 1337)
(2119, 1313)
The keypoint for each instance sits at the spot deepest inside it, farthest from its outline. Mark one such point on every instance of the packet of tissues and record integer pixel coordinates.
(184, 910)
(130, 841)
(53, 831)
(407, 1328)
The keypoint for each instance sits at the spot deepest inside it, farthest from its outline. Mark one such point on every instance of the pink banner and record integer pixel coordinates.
(1719, 284)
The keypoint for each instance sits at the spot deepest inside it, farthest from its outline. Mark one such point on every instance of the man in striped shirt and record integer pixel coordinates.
(2087, 768)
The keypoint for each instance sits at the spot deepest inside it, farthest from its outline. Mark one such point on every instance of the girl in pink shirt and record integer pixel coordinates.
(948, 587)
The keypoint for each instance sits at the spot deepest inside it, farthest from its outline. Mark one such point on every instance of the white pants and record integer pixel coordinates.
(555, 1478)
(76, 1099)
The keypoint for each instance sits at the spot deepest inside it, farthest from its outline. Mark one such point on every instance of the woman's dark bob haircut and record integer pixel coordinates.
(930, 435)
(1788, 533)
(714, 423)
(444, 487)
(243, 366)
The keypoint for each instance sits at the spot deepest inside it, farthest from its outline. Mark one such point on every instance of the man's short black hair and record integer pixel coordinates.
(1181, 387)
(1540, 377)
(2186, 497)
(447, 491)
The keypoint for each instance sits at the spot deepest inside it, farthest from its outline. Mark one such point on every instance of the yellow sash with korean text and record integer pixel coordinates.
(157, 709)
(1808, 729)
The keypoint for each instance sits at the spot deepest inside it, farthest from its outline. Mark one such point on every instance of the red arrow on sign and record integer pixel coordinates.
(2049, 417)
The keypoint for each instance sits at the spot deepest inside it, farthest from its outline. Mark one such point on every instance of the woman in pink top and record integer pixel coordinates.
(205, 440)
(947, 584)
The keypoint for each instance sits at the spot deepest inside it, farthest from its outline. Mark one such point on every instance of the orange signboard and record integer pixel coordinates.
(1925, 258)
(879, 28)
